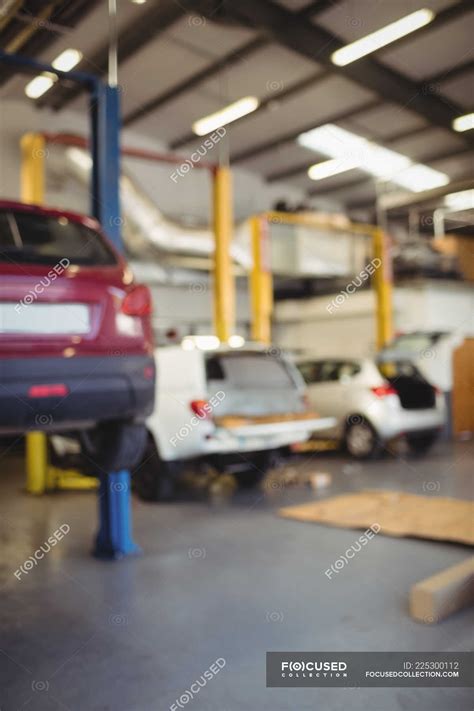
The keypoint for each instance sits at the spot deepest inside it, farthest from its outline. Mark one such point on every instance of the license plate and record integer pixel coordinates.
(46, 319)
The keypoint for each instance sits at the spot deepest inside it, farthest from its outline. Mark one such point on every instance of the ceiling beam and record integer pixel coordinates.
(155, 19)
(448, 74)
(225, 62)
(318, 44)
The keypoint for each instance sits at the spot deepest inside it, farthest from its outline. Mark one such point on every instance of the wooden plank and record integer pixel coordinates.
(433, 599)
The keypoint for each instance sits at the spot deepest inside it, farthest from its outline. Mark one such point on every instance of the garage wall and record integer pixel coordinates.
(307, 325)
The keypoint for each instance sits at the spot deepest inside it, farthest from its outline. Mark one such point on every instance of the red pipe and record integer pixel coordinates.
(69, 139)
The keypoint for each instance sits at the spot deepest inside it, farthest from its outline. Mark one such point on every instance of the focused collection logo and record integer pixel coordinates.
(319, 668)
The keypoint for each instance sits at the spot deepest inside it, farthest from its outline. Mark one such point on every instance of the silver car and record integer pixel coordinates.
(374, 402)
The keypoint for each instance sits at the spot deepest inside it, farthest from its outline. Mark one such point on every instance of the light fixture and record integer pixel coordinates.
(420, 177)
(380, 38)
(67, 60)
(464, 123)
(230, 113)
(64, 62)
(462, 200)
(39, 85)
(139, 2)
(348, 150)
(319, 171)
(236, 341)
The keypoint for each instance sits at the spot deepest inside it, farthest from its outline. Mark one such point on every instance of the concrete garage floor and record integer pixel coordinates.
(228, 580)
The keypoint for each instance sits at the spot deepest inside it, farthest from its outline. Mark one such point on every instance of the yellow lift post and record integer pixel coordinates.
(40, 476)
(261, 288)
(224, 282)
(261, 280)
(383, 280)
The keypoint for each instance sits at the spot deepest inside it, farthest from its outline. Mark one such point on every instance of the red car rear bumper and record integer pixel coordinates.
(87, 390)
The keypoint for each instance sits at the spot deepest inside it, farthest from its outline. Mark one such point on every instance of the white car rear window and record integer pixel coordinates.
(250, 371)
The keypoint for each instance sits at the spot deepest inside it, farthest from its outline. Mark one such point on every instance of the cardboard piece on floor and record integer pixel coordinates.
(433, 599)
(397, 514)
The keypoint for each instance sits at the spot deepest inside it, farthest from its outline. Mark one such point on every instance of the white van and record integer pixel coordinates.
(232, 407)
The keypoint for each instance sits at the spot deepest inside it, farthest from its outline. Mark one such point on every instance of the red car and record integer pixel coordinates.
(76, 349)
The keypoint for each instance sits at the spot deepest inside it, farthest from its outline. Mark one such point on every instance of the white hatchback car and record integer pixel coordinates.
(374, 402)
(230, 407)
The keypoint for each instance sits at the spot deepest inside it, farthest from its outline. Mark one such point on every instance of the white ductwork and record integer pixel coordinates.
(296, 250)
(144, 219)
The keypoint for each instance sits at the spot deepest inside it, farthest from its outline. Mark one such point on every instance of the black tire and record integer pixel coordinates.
(419, 445)
(361, 440)
(259, 464)
(113, 446)
(154, 479)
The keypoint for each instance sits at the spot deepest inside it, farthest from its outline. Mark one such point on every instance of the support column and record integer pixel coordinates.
(224, 282)
(261, 281)
(114, 539)
(105, 149)
(383, 280)
(33, 154)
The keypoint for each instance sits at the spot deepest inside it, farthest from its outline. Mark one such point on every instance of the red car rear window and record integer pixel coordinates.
(41, 239)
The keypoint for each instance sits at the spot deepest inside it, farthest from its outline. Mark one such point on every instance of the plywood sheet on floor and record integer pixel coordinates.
(397, 514)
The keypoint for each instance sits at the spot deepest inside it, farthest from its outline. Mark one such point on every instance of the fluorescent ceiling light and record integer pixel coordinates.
(355, 151)
(39, 85)
(420, 177)
(351, 151)
(139, 2)
(463, 200)
(464, 123)
(380, 38)
(319, 171)
(67, 60)
(230, 113)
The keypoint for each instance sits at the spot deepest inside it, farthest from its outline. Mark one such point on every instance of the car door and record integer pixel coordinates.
(323, 387)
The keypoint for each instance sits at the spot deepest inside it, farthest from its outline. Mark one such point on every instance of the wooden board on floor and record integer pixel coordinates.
(439, 596)
(397, 514)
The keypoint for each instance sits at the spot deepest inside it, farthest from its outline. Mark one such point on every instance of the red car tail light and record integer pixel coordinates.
(137, 302)
(148, 372)
(55, 390)
(384, 391)
(201, 408)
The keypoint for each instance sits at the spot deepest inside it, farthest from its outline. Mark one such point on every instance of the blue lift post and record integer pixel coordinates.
(114, 538)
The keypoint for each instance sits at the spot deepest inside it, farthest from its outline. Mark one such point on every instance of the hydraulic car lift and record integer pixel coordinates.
(261, 281)
(114, 538)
